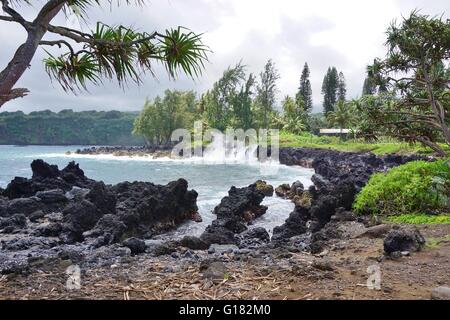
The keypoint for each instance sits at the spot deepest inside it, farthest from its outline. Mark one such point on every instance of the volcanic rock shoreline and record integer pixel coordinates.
(134, 151)
(321, 210)
(61, 216)
(60, 209)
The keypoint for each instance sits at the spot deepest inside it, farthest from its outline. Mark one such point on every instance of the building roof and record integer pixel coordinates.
(334, 131)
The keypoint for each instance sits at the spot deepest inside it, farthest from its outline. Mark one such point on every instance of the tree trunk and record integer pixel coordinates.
(17, 66)
(438, 113)
(445, 127)
(433, 146)
(23, 56)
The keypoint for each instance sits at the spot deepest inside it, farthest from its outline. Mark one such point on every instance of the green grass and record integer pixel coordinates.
(436, 242)
(385, 146)
(420, 219)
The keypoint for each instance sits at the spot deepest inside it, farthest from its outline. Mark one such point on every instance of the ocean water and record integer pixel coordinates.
(210, 179)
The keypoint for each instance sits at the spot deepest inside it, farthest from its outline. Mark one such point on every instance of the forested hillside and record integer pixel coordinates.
(68, 127)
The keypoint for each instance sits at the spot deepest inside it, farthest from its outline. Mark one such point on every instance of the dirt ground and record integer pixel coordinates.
(337, 273)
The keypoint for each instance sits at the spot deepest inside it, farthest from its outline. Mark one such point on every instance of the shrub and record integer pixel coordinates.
(414, 188)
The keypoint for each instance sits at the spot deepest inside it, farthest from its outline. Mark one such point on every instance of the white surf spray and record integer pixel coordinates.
(221, 151)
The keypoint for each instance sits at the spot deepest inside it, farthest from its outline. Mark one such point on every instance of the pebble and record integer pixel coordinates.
(323, 253)
(211, 250)
(244, 251)
(168, 269)
(223, 248)
(323, 265)
(440, 293)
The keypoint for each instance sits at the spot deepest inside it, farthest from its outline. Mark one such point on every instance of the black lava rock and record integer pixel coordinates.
(404, 239)
(136, 246)
(194, 243)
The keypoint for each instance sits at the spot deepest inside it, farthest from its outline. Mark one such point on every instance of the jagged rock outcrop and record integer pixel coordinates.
(47, 177)
(235, 211)
(148, 209)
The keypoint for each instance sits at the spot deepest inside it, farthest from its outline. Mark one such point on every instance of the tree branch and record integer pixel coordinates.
(13, 94)
(71, 34)
(406, 79)
(57, 29)
(58, 43)
(6, 18)
(48, 11)
(16, 17)
(432, 145)
(424, 116)
(24, 54)
(433, 124)
(81, 37)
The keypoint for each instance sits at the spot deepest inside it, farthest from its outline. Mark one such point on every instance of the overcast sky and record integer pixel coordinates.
(347, 34)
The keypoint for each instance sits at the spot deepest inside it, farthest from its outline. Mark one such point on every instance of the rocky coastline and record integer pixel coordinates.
(59, 210)
(61, 217)
(162, 151)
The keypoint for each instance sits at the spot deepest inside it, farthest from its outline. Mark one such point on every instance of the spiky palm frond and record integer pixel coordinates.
(123, 54)
(80, 7)
(72, 71)
(342, 115)
(182, 51)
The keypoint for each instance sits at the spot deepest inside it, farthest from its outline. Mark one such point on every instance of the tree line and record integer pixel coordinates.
(68, 128)
(240, 100)
(405, 96)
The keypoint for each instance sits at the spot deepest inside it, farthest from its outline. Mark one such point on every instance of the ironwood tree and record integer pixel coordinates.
(330, 89)
(304, 91)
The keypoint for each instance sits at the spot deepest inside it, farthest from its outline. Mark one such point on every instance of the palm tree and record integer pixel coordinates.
(343, 115)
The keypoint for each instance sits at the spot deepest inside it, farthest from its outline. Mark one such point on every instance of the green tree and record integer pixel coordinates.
(315, 122)
(416, 107)
(329, 89)
(342, 115)
(218, 102)
(111, 52)
(304, 91)
(369, 87)
(342, 88)
(294, 115)
(177, 111)
(160, 117)
(68, 128)
(266, 93)
(149, 122)
(242, 105)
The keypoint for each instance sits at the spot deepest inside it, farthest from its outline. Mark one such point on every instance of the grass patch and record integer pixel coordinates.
(381, 147)
(436, 242)
(420, 219)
